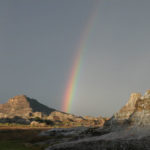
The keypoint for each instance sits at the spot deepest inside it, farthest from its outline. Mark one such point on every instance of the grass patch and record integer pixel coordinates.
(21, 139)
(13, 145)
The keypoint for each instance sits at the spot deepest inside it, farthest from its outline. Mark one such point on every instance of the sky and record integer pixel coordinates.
(39, 41)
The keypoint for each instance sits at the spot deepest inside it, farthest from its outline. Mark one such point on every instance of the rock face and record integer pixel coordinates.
(141, 115)
(24, 110)
(135, 112)
(129, 108)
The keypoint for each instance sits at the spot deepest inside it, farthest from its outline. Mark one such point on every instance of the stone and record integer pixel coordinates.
(129, 108)
(141, 115)
(135, 113)
(37, 124)
(146, 95)
(125, 112)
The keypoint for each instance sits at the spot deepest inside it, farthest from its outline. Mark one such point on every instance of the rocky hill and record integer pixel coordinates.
(23, 106)
(25, 110)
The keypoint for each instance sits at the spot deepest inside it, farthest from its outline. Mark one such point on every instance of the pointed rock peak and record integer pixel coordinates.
(18, 98)
(133, 98)
(135, 95)
(147, 92)
(146, 95)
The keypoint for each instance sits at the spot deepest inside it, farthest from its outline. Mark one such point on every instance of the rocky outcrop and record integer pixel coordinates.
(136, 112)
(141, 115)
(129, 108)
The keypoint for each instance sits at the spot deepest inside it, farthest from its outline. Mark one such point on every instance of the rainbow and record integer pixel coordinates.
(75, 71)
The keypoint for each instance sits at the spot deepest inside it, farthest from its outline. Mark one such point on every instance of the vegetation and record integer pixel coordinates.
(40, 120)
(20, 139)
(13, 145)
(12, 125)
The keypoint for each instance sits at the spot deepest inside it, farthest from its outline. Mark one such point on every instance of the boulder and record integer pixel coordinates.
(37, 124)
